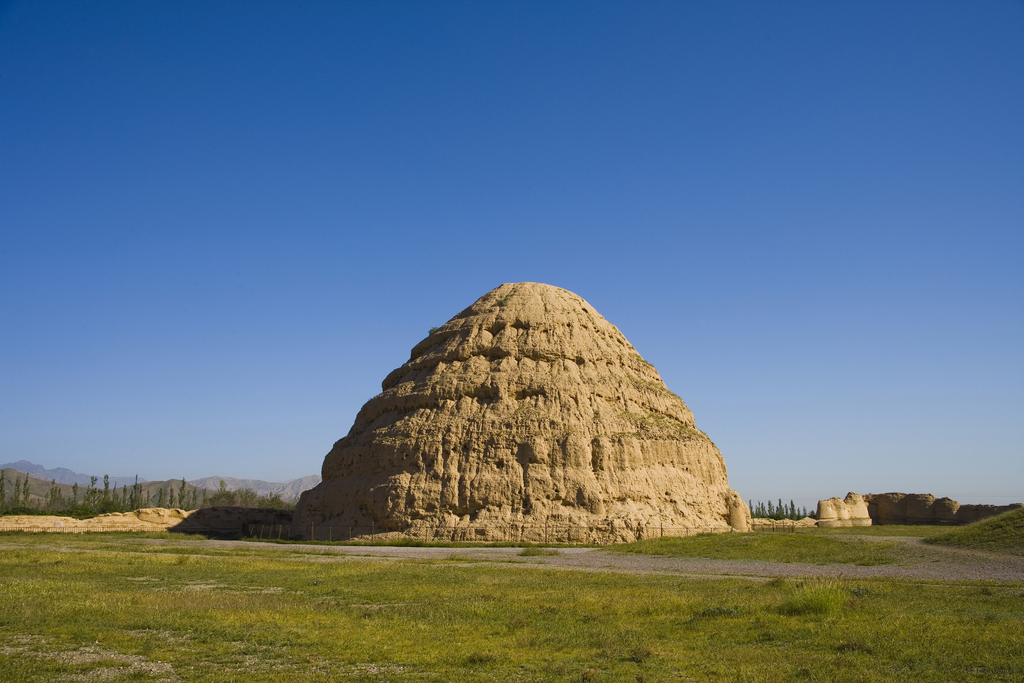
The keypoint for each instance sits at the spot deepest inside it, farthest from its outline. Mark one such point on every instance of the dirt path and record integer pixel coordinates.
(917, 560)
(920, 561)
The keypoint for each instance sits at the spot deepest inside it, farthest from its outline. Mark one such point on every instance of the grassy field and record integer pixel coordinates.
(916, 530)
(112, 607)
(419, 543)
(809, 548)
(1003, 533)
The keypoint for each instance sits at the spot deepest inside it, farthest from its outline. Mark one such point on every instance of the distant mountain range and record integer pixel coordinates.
(288, 491)
(62, 475)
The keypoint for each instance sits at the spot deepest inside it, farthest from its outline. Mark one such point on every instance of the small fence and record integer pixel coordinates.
(784, 526)
(58, 528)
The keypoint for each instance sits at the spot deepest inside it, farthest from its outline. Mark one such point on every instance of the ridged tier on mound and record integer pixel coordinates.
(526, 408)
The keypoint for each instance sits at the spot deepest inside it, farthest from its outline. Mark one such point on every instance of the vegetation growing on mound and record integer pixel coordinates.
(777, 547)
(1002, 533)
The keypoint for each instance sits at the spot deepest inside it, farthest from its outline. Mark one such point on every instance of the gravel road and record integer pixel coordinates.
(918, 561)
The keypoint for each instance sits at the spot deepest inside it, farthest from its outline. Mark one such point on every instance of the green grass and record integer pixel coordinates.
(418, 543)
(1002, 533)
(124, 611)
(822, 597)
(105, 536)
(809, 548)
(912, 530)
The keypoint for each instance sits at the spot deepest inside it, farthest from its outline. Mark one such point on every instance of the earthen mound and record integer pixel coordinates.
(527, 410)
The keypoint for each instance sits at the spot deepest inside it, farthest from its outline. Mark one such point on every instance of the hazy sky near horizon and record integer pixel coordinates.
(222, 224)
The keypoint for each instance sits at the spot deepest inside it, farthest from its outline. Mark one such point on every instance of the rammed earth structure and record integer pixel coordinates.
(528, 410)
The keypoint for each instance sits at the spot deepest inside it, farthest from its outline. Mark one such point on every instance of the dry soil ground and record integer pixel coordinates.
(917, 561)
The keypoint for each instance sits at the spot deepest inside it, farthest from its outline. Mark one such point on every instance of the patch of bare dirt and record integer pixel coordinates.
(919, 561)
(118, 665)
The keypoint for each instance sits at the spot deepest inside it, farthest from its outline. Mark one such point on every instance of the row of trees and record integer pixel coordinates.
(20, 496)
(93, 500)
(88, 501)
(186, 500)
(780, 511)
(247, 498)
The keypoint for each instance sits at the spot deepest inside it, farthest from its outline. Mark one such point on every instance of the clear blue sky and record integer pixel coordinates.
(222, 224)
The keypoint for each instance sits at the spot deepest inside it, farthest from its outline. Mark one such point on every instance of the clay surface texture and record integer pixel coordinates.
(527, 411)
(849, 511)
(902, 508)
(924, 508)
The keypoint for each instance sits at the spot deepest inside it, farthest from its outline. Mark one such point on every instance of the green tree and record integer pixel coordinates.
(247, 498)
(223, 496)
(272, 500)
(161, 500)
(74, 493)
(780, 511)
(135, 499)
(53, 497)
(3, 491)
(92, 495)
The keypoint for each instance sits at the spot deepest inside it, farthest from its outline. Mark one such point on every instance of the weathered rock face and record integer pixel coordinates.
(849, 511)
(902, 508)
(924, 508)
(527, 408)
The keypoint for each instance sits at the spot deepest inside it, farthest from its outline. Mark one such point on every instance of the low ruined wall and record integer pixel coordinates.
(232, 519)
(763, 524)
(205, 520)
(902, 508)
(924, 508)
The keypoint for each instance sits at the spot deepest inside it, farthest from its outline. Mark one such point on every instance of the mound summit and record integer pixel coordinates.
(528, 408)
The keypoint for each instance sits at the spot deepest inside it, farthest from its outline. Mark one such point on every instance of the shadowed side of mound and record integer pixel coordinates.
(1003, 533)
(217, 521)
